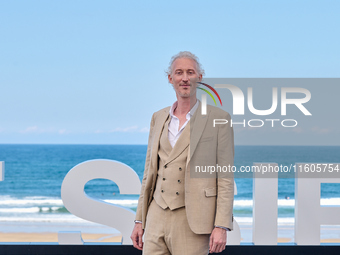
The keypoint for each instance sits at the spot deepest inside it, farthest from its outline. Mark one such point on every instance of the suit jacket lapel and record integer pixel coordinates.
(155, 143)
(197, 126)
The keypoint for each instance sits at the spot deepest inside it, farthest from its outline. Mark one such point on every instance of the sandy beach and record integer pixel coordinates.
(48, 231)
(328, 234)
(91, 232)
(53, 237)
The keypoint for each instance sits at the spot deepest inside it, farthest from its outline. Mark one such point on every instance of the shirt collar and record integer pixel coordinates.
(189, 114)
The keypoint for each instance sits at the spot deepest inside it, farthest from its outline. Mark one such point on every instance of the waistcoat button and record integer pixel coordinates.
(177, 193)
(180, 169)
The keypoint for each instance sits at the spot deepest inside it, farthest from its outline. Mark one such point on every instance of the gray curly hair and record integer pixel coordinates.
(185, 54)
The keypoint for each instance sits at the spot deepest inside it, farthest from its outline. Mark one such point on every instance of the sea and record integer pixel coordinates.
(30, 191)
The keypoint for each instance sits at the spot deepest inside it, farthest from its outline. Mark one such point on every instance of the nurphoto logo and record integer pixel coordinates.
(238, 104)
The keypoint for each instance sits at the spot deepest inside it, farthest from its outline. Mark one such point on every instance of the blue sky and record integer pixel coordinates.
(93, 71)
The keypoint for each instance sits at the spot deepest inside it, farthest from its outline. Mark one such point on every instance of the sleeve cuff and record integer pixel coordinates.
(227, 229)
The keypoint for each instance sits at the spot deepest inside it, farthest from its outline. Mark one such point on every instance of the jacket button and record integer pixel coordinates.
(179, 181)
(180, 169)
(165, 166)
(177, 193)
(163, 179)
(162, 191)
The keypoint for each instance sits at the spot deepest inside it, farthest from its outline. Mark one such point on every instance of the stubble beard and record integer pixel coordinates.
(186, 94)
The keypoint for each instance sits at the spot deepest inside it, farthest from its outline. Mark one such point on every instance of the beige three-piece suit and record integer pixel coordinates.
(179, 207)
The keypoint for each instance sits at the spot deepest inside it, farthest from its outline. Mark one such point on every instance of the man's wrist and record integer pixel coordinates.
(226, 229)
(138, 221)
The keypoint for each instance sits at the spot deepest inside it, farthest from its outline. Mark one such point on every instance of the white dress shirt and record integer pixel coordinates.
(174, 131)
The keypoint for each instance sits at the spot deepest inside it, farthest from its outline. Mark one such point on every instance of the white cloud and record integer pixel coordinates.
(33, 129)
(132, 129)
(124, 130)
(144, 130)
(319, 130)
(37, 130)
(62, 131)
(297, 130)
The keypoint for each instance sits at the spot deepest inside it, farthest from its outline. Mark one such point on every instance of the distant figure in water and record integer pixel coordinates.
(287, 197)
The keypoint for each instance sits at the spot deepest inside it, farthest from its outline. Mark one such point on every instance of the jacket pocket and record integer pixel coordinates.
(210, 192)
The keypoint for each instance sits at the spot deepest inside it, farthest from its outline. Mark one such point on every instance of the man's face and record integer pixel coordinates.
(184, 76)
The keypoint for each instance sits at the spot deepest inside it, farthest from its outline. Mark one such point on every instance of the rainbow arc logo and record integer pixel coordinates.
(209, 93)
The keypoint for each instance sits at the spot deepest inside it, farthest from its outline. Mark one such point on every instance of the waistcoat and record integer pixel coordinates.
(169, 190)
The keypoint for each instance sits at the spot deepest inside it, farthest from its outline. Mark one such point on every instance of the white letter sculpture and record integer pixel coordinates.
(95, 210)
(309, 214)
(265, 188)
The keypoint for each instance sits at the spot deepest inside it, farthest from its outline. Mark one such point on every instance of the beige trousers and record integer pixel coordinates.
(168, 232)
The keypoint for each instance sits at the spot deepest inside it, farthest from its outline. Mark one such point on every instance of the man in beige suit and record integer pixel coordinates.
(183, 208)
